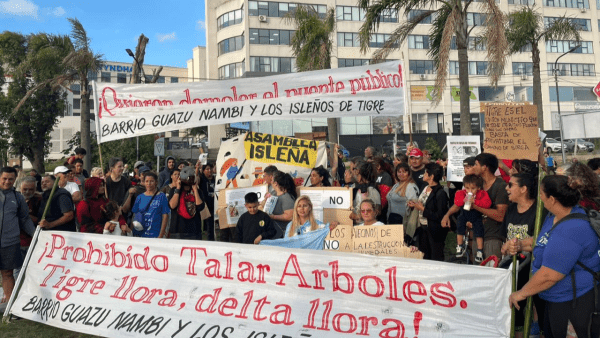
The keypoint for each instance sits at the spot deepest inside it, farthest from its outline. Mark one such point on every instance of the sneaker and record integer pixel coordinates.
(460, 251)
(479, 256)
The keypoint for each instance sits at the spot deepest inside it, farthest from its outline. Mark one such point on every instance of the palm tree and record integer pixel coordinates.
(450, 20)
(312, 44)
(84, 62)
(527, 29)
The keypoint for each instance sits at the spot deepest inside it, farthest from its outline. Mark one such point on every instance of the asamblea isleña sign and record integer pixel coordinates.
(127, 110)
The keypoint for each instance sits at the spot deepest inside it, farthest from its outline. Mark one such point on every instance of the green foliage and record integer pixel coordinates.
(312, 40)
(434, 148)
(38, 61)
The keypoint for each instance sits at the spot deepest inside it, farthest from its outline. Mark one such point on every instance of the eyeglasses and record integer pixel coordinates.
(366, 211)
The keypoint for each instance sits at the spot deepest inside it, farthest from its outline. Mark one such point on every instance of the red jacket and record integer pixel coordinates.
(482, 199)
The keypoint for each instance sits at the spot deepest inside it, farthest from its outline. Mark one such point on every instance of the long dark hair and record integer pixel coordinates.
(379, 161)
(559, 187)
(322, 172)
(285, 181)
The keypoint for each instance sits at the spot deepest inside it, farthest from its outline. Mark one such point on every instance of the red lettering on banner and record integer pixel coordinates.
(325, 320)
(397, 331)
(228, 266)
(226, 306)
(336, 324)
(393, 284)
(446, 299)
(257, 311)
(244, 309)
(246, 274)
(192, 264)
(261, 272)
(213, 298)
(335, 276)
(54, 267)
(364, 324)
(310, 323)
(212, 270)
(362, 286)
(409, 293)
(297, 272)
(285, 311)
(318, 281)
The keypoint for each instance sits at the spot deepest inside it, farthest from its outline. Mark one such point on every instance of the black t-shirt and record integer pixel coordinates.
(385, 178)
(417, 176)
(497, 192)
(251, 226)
(117, 191)
(522, 224)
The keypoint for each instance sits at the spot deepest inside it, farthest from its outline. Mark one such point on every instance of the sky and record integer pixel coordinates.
(173, 27)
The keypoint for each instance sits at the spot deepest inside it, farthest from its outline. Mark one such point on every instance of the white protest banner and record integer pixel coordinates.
(126, 110)
(137, 287)
(459, 148)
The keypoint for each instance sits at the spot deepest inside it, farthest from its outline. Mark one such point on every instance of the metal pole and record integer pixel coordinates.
(562, 144)
(137, 148)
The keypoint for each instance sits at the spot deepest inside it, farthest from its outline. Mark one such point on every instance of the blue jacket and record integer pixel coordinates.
(14, 215)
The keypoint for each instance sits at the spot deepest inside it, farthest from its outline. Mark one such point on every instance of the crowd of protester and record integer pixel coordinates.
(493, 209)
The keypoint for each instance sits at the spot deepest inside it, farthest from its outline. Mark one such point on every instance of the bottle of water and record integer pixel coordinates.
(469, 201)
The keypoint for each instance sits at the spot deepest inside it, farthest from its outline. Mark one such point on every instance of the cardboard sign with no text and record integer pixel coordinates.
(511, 131)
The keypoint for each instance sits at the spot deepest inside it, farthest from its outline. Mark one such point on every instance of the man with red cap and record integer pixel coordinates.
(415, 159)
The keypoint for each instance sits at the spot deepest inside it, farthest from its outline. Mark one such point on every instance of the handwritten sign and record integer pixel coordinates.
(511, 130)
(137, 287)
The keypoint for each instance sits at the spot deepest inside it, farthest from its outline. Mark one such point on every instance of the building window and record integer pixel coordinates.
(121, 78)
(342, 63)
(521, 2)
(270, 36)
(421, 67)
(582, 24)
(419, 123)
(418, 41)
(389, 15)
(474, 43)
(76, 89)
(279, 9)
(520, 68)
(562, 46)
(566, 94)
(351, 40)
(231, 45)
(435, 123)
(476, 19)
(572, 69)
(272, 64)
(350, 13)
(161, 79)
(76, 103)
(491, 94)
(232, 71)
(230, 19)
(415, 13)
(567, 3)
(475, 67)
(174, 80)
(105, 77)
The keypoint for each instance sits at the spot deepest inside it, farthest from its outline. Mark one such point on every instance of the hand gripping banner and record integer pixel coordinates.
(126, 110)
(133, 287)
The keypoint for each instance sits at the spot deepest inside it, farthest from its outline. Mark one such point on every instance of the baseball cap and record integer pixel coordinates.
(143, 169)
(469, 161)
(61, 169)
(138, 164)
(416, 152)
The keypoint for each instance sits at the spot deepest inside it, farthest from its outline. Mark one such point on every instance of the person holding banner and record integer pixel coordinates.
(283, 211)
(186, 203)
(402, 192)
(432, 206)
(304, 220)
(14, 216)
(207, 186)
(151, 209)
(566, 240)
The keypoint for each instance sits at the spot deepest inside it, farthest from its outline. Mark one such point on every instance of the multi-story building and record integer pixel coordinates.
(244, 37)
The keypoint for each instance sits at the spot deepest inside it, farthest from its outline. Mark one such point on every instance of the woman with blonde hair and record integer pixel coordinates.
(303, 219)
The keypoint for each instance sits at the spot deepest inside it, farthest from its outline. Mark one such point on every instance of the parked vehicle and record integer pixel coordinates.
(553, 146)
(582, 145)
(569, 146)
(401, 147)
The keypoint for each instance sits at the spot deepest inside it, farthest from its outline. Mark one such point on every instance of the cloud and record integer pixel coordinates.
(58, 11)
(200, 25)
(166, 37)
(19, 8)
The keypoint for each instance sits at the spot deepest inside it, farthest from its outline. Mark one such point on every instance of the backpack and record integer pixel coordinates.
(593, 217)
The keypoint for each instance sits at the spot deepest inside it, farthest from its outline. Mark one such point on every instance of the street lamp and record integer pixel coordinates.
(562, 139)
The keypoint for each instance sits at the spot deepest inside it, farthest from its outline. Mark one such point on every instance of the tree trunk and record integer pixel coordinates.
(38, 158)
(332, 130)
(537, 84)
(140, 53)
(85, 133)
(465, 93)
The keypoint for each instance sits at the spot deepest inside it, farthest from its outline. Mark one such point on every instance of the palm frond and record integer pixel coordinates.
(79, 35)
(312, 41)
(443, 54)
(497, 44)
(524, 28)
(562, 28)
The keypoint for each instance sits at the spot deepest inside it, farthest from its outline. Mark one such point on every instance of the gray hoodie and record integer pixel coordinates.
(164, 177)
(14, 215)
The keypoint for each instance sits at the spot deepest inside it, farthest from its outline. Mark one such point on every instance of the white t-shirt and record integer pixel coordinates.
(72, 188)
(376, 223)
